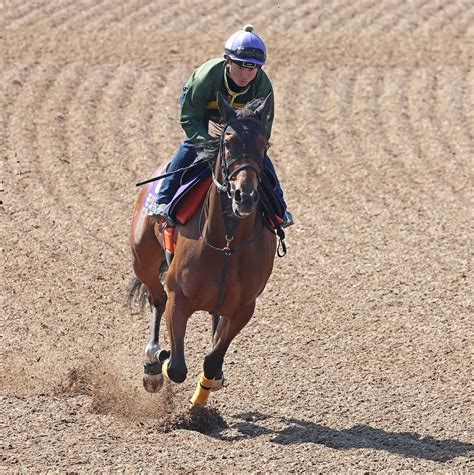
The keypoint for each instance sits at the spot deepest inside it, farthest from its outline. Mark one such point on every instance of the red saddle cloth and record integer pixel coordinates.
(193, 201)
(187, 209)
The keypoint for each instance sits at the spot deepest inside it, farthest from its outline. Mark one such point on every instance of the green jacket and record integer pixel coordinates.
(199, 99)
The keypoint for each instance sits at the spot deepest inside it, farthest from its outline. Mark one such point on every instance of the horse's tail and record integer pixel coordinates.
(137, 292)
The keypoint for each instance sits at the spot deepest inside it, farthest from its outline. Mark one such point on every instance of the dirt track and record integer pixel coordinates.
(359, 356)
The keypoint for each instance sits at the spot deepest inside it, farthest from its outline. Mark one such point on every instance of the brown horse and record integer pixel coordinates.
(223, 255)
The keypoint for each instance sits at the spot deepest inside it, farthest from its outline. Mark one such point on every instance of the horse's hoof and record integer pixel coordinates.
(152, 382)
(217, 384)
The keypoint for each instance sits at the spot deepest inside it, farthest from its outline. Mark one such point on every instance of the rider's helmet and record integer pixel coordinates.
(246, 46)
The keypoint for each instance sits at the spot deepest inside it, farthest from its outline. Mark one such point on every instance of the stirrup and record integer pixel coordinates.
(159, 211)
(287, 220)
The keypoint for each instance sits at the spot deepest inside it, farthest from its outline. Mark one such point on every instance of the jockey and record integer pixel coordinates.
(239, 75)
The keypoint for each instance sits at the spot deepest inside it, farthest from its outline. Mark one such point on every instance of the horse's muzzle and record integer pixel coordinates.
(244, 203)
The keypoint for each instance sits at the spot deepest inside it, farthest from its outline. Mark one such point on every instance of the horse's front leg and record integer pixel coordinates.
(178, 312)
(215, 322)
(212, 378)
(153, 377)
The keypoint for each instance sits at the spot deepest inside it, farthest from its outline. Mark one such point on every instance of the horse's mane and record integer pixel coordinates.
(254, 104)
(208, 150)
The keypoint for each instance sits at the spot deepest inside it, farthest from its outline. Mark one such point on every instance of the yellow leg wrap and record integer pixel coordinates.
(164, 368)
(202, 391)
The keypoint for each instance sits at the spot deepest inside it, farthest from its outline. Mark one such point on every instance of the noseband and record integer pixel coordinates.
(249, 160)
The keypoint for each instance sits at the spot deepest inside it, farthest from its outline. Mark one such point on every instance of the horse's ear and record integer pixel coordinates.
(225, 109)
(263, 110)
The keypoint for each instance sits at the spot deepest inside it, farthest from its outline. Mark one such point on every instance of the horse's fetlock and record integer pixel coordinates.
(212, 366)
(151, 352)
(177, 375)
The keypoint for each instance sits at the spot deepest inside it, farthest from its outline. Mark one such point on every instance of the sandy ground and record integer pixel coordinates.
(359, 356)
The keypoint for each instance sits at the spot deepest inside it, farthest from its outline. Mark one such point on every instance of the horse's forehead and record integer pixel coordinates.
(245, 131)
(242, 124)
(242, 113)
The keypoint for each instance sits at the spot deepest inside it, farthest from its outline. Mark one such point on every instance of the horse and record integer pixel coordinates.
(223, 256)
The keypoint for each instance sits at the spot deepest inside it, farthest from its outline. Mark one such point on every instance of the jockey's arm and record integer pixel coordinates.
(197, 92)
(193, 119)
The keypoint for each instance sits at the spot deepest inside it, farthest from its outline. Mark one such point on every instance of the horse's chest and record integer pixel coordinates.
(221, 279)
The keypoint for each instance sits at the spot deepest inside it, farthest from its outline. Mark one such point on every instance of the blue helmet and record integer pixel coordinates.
(245, 45)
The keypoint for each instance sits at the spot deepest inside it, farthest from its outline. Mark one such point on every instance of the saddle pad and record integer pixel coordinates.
(150, 198)
(184, 210)
(192, 201)
(154, 189)
(189, 196)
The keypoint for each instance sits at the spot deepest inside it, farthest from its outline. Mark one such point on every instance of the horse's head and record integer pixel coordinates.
(242, 151)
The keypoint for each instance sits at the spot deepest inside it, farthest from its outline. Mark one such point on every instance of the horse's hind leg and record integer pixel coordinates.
(212, 377)
(153, 377)
(148, 257)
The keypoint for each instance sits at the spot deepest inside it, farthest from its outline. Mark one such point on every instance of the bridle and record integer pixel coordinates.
(250, 160)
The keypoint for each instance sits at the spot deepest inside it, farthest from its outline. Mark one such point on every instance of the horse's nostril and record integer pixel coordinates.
(243, 198)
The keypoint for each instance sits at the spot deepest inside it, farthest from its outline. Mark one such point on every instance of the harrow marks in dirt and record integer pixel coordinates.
(359, 354)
